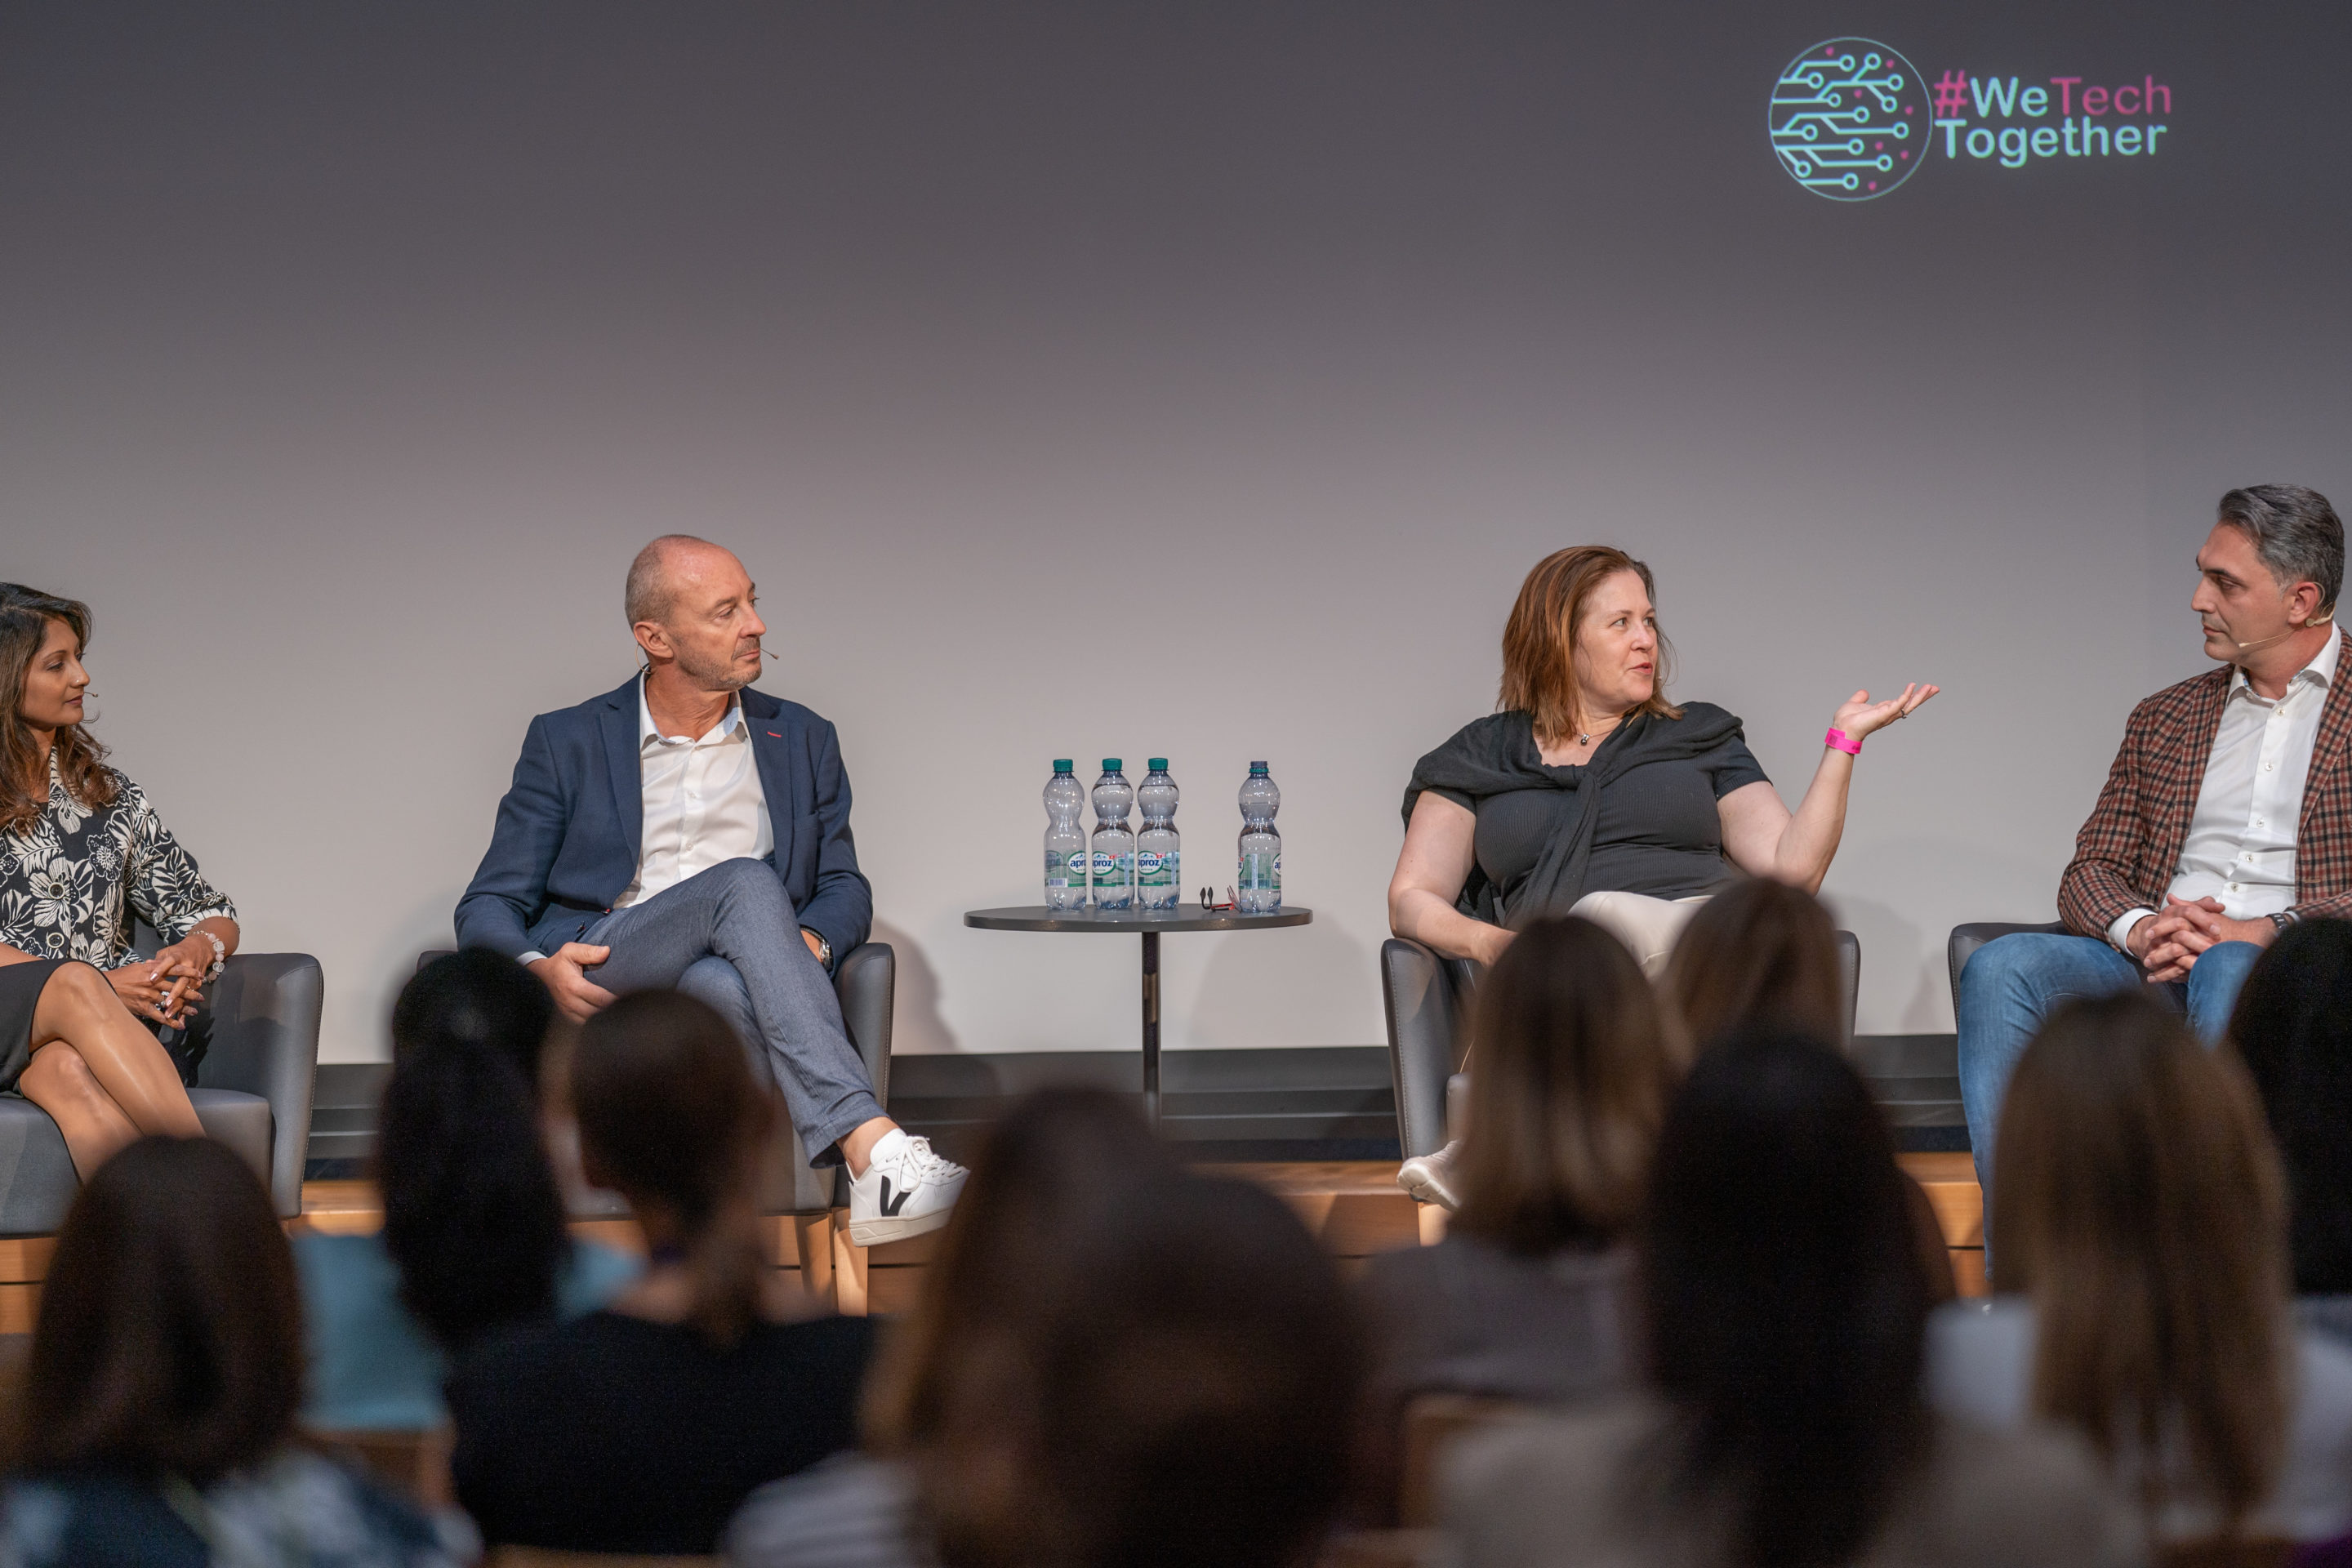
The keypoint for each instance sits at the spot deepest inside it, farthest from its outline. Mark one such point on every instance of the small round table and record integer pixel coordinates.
(1150, 923)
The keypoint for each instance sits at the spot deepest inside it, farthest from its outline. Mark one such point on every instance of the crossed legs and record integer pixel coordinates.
(102, 1079)
(729, 936)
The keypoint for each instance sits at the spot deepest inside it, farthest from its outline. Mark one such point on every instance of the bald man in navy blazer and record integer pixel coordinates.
(684, 831)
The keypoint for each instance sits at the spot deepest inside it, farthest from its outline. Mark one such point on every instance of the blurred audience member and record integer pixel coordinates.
(1782, 1305)
(1760, 953)
(473, 1237)
(1763, 954)
(2142, 1283)
(641, 1428)
(2293, 1029)
(1113, 1363)
(157, 1416)
(1524, 1296)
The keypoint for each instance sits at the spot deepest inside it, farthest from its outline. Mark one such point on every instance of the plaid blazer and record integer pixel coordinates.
(2126, 854)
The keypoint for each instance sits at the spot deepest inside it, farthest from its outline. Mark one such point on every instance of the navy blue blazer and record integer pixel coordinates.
(573, 824)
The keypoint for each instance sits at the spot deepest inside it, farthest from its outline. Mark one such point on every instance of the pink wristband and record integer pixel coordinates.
(1837, 738)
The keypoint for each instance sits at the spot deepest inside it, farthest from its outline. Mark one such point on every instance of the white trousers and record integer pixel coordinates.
(1648, 927)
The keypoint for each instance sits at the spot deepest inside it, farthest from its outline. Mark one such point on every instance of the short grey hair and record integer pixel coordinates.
(648, 595)
(2297, 534)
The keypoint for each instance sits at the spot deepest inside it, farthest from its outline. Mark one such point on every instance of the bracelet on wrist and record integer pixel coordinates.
(1839, 741)
(220, 954)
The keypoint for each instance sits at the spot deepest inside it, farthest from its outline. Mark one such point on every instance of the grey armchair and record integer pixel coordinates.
(1966, 940)
(866, 981)
(1427, 1001)
(252, 1092)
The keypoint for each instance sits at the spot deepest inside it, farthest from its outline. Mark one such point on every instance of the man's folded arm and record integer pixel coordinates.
(2096, 887)
(841, 911)
(510, 885)
(2335, 907)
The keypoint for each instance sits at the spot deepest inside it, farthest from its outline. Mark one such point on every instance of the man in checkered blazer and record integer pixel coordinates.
(2226, 817)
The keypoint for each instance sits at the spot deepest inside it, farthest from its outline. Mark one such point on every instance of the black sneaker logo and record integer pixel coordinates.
(891, 1206)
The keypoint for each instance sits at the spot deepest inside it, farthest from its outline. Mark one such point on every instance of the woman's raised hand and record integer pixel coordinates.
(1859, 716)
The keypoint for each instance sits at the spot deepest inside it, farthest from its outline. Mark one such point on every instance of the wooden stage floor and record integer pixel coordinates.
(1353, 1206)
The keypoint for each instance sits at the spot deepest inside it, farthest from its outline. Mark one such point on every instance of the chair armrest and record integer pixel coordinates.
(1849, 948)
(265, 1041)
(866, 982)
(1421, 996)
(1967, 938)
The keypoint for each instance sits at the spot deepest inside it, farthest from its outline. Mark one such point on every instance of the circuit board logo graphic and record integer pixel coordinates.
(1849, 119)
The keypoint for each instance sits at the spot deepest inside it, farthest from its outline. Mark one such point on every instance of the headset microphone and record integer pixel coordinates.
(2246, 648)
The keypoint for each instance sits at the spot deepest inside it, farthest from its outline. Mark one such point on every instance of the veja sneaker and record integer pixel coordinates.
(906, 1190)
(1431, 1178)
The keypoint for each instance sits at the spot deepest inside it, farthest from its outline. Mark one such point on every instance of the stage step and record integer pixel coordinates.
(1353, 1206)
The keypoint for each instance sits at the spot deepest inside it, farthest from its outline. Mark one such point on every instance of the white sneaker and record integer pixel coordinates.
(906, 1190)
(1431, 1177)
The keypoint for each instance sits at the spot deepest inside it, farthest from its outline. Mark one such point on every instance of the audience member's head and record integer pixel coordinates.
(477, 994)
(2137, 1201)
(673, 1119)
(169, 1341)
(1784, 1298)
(1574, 1062)
(1758, 953)
(2293, 1030)
(1117, 1363)
(471, 1210)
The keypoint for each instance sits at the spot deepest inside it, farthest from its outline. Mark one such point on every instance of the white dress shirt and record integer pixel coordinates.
(703, 803)
(2241, 844)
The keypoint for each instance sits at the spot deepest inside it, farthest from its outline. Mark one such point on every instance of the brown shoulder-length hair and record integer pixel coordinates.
(169, 1340)
(25, 617)
(1540, 639)
(2137, 1201)
(1575, 1062)
(1760, 953)
(1114, 1361)
(670, 1113)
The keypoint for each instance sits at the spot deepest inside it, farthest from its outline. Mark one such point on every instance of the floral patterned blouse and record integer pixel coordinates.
(70, 885)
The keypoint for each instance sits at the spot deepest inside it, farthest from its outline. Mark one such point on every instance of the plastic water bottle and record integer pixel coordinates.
(1114, 843)
(1065, 839)
(1259, 890)
(1158, 869)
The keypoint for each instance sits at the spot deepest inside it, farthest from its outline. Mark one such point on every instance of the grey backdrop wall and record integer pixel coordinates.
(1080, 380)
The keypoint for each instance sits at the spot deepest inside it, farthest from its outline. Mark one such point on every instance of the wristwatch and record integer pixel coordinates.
(824, 948)
(2286, 917)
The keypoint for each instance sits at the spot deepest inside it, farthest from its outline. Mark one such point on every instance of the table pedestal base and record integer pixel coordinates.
(1151, 1029)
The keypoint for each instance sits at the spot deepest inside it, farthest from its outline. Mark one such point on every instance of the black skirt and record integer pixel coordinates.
(21, 985)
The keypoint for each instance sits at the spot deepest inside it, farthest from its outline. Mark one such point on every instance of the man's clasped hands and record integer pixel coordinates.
(2167, 943)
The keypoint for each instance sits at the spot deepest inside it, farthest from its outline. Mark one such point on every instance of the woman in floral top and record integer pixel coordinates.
(81, 852)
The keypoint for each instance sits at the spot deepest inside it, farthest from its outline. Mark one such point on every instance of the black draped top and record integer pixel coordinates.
(1647, 800)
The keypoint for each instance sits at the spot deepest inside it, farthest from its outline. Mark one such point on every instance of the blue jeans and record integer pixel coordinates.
(2014, 981)
(729, 937)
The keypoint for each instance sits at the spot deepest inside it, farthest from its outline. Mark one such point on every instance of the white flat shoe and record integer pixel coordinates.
(1431, 1178)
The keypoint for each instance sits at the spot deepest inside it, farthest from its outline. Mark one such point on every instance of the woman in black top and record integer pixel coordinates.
(641, 1428)
(81, 853)
(1590, 794)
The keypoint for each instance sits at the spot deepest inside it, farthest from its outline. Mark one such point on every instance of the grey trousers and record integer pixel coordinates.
(729, 937)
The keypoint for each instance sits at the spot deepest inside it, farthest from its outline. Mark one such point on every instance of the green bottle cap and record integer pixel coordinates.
(1064, 765)
(1158, 764)
(1112, 764)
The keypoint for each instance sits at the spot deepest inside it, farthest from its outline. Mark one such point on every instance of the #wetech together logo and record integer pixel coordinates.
(1852, 119)
(1849, 119)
